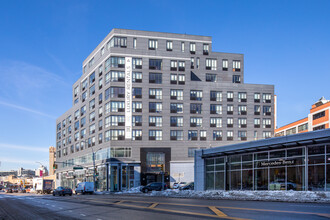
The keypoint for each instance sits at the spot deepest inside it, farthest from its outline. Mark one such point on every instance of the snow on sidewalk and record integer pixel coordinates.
(285, 196)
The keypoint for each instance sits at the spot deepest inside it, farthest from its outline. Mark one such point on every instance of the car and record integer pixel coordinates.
(9, 190)
(84, 187)
(178, 185)
(15, 190)
(22, 191)
(189, 186)
(153, 186)
(62, 191)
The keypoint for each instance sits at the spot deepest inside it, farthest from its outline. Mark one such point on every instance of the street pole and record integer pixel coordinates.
(94, 169)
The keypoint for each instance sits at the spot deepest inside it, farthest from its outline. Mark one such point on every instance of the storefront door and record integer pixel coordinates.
(114, 180)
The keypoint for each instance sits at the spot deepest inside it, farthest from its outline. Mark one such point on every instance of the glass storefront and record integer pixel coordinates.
(284, 169)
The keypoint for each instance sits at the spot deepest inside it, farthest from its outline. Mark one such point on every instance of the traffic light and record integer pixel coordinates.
(162, 167)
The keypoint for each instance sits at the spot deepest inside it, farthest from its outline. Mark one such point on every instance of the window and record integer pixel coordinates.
(318, 115)
(242, 135)
(225, 65)
(91, 90)
(196, 95)
(236, 79)
(176, 94)
(202, 135)
(230, 135)
(211, 64)
(137, 120)
(116, 92)
(92, 117)
(137, 63)
(266, 98)
(83, 110)
(76, 136)
(230, 122)
(136, 135)
(102, 51)
(107, 78)
(191, 151)
(192, 48)
(107, 122)
(137, 77)
(155, 78)
(100, 124)
(197, 62)
(92, 78)
(210, 77)
(118, 42)
(196, 122)
(117, 134)
(100, 70)
(134, 43)
(84, 96)
(216, 122)
(155, 107)
(84, 84)
(92, 129)
(217, 135)
(76, 115)
(176, 135)
(182, 46)
(100, 98)
(117, 120)
(115, 106)
(230, 96)
(83, 133)
(137, 106)
(230, 109)
(242, 110)
(176, 108)
(169, 45)
(241, 122)
(266, 134)
(155, 93)
(266, 110)
(257, 110)
(205, 49)
(236, 65)
(303, 127)
(137, 93)
(195, 108)
(101, 111)
(182, 65)
(181, 79)
(176, 121)
(319, 128)
(266, 123)
(118, 152)
(192, 135)
(192, 63)
(174, 65)
(153, 44)
(76, 91)
(100, 138)
(242, 97)
(155, 135)
(85, 68)
(257, 123)
(117, 62)
(256, 97)
(155, 121)
(83, 121)
(91, 62)
(215, 109)
(216, 96)
(100, 83)
(117, 76)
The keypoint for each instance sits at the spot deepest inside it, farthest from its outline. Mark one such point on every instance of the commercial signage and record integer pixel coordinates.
(276, 163)
(128, 97)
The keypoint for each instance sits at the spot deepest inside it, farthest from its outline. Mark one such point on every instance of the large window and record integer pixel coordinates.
(155, 107)
(215, 122)
(236, 65)
(155, 93)
(176, 121)
(155, 135)
(121, 152)
(153, 44)
(118, 42)
(155, 121)
(137, 63)
(195, 108)
(176, 107)
(176, 94)
(216, 96)
(196, 121)
(211, 64)
(215, 109)
(117, 76)
(117, 62)
(155, 78)
(196, 95)
(155, 64)
(176, 135)
(155, 162)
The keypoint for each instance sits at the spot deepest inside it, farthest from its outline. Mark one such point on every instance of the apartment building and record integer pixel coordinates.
(317, 119)
(147, 100)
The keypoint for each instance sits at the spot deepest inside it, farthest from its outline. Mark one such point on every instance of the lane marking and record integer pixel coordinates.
(217, 211)
(153, 205)
(82, 214)
(325, 215)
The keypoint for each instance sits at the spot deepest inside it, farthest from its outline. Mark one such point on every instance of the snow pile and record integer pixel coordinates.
(131, 190)
(287, 196)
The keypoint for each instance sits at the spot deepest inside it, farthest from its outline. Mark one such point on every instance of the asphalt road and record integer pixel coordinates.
(101, 207)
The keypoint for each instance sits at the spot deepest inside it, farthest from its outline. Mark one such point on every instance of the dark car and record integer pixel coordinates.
(9, 190)
(153, 186)
(189, 186)
(62, 191)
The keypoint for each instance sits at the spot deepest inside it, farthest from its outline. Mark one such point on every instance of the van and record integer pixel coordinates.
(84, 187)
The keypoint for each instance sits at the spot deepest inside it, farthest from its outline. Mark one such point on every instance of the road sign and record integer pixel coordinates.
(78, 168)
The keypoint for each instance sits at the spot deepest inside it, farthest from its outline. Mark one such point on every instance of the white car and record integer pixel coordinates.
(85, 187)
(178, 185)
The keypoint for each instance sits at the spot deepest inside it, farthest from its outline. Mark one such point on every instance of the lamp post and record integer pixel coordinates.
(94, 166)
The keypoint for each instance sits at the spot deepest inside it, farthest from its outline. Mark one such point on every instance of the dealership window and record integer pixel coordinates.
(121, 152)
(215, 174)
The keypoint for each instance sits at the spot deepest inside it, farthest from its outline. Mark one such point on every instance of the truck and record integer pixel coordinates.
(42, 186)
(85, 187)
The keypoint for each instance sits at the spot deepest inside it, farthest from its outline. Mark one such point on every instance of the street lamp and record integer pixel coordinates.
(94, 166)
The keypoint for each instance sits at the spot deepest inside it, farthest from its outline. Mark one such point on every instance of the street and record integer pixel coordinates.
(114, 206)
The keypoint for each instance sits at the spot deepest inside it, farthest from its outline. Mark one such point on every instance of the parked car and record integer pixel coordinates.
(15, 190)
(189, 186)
(62, 191)
(8, 190)
(153, 186)
(84, 187)
(178, 185)
(22, 191)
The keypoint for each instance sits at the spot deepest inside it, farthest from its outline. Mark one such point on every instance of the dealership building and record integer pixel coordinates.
(147, 100)
(296, 162)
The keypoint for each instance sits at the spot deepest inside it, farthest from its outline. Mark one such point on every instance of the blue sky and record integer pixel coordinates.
(43, 45)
